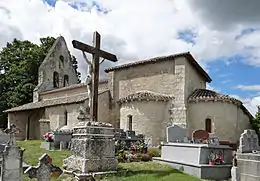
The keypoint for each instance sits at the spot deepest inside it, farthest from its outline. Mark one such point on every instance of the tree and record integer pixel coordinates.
(19, 63)
(256, 121)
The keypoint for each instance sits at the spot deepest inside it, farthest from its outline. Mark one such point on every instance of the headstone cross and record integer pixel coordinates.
(96, 54)
(45, 169)
(11, 131)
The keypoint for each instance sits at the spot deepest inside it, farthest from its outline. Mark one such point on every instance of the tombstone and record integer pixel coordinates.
(248, 142)
(45, 170)
(61, 135)
(130, 134)
(62, 145)
(200, 134)
(175, 132)
(213, 141)
(12, 158)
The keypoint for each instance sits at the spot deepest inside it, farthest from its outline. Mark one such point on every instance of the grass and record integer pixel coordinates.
(140, 171)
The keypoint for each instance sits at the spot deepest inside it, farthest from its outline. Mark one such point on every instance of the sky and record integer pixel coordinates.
(223, 36)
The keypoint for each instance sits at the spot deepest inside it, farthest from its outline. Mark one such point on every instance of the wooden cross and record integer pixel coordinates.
(96, 54)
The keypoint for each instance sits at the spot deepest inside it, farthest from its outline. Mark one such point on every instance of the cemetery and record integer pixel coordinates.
(94, 150)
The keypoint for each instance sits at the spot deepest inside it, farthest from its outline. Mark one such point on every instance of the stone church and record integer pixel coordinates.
(145, 96)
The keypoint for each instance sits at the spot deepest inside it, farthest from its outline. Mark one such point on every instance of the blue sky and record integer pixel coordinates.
(225, 43)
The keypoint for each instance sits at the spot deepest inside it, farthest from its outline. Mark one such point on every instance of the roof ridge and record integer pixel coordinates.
(187, 55)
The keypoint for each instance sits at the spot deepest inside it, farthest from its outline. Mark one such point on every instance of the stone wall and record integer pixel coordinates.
(225, 117)
(56, 114)
(175, 77)
(74, 90)
(20, 119)
(148, 118)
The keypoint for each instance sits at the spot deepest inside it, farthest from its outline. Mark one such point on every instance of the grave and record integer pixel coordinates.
(92, 143)
(45, 170)
(176, 133)
(11, 157)
(60, 136)
(248, 157)
(198, 158)
(63, 136)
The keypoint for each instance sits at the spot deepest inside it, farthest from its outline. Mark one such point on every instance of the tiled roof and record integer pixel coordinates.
(52, 102)
(164, 58)
(145, 96)
(205, 94)
(209, 95)
(71, 87)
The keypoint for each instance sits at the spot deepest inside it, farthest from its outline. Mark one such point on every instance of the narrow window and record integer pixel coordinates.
(65, 117)
(55, 80)
(66, 81)
(208, 125)
(62, 61)
(130, 122)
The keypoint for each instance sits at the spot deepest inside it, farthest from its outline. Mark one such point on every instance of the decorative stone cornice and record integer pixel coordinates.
(145, 96)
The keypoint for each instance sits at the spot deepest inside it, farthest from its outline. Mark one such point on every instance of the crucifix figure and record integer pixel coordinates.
(89, 77)
(93, 70)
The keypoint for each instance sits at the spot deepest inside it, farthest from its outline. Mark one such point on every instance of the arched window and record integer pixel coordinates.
(65, 117)
(55, 80)
(130, 122)
(66, 81)
(208, 125)
(62, 61)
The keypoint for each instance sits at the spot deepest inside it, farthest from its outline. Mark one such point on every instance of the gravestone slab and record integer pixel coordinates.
(12, 157)
(175, 132)
(45, 170)
(248, 142)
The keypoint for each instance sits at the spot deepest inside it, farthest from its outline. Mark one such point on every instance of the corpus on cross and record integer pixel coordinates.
(93, 69)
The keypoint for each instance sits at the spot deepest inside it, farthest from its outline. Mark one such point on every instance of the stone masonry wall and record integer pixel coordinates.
(20, 119)
(56, 114)
(65, 92)
(58, 59)
(225, 117)
(148, 118)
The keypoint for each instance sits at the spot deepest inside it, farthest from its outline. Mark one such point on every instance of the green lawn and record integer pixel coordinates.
(140, 171)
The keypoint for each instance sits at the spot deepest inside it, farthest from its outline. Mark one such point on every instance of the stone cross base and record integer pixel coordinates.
(92, 149)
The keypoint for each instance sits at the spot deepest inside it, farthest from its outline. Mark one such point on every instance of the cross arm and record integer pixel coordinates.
(90, 49)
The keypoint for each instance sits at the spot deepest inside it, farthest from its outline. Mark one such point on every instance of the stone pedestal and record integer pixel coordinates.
(92, 149)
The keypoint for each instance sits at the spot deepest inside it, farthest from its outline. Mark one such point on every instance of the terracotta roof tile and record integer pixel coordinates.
(164, 58)
(145, 96)
(52, 102)
(209, 95)
(73, 86)
(205, 94)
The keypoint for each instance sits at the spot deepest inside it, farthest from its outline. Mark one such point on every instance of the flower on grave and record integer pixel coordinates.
(212, 156)
(48, 137)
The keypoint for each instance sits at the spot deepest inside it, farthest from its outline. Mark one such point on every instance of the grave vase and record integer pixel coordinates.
(212, 162)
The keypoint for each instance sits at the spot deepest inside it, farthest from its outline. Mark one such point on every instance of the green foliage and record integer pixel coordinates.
(19, 63)
(256, 122)
(133, 171)
(154, 152)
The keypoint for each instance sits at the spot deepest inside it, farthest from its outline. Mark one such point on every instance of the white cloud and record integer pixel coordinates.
(135, 29)
(248, 87)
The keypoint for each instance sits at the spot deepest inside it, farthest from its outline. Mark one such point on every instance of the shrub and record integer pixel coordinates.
(154, 152)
